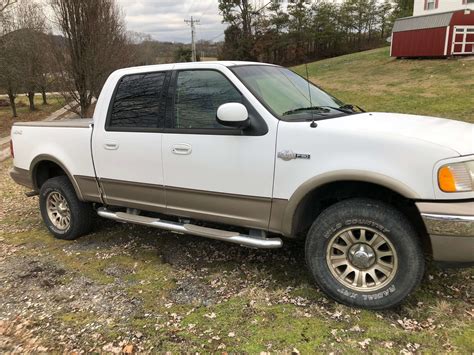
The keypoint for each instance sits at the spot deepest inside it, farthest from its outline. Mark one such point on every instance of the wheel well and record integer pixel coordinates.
(324, 196)
(44, 171)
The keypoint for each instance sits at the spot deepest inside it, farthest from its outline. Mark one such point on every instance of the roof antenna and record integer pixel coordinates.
(313, 123)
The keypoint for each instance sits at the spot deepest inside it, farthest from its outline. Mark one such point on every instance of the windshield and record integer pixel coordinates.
(286, 93)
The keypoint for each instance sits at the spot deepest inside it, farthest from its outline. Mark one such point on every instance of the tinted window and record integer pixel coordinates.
(199, 94)
(137, 102)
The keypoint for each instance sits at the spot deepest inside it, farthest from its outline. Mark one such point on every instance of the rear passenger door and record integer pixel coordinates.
(127, 150)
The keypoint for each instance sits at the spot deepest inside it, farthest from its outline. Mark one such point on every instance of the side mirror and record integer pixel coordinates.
(233, 114)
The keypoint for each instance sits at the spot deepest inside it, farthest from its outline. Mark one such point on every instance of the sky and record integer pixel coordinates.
(164, 19)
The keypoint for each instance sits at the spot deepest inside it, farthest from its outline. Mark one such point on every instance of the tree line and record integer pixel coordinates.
(305, 30)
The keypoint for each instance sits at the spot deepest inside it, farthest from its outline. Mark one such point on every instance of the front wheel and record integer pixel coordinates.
(364, 253)
(63, 213)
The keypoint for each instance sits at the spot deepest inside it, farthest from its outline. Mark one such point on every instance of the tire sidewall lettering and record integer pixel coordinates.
(368, 297)
(353, 222)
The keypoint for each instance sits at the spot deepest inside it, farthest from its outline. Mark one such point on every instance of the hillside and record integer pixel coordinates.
(376, 82)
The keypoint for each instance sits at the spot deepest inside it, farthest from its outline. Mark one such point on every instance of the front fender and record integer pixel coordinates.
(283, 211)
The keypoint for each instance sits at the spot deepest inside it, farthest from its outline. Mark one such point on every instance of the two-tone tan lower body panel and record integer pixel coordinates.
(21, 177)
(86, 187)
(148, 197)
(238, 210)
(89, 188)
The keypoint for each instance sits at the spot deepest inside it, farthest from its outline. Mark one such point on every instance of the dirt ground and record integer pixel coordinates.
(131, 289)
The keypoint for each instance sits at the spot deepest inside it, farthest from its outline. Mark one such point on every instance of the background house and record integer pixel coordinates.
(428, 7)
(439, 28)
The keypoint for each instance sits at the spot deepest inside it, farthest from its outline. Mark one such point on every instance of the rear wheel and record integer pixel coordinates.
(64, 214)
(364, 253)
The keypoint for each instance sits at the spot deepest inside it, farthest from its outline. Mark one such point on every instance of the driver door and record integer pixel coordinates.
(213, 172)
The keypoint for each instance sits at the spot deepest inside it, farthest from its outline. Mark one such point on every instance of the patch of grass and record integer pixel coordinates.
(77, 319)
(24, 113)
(244, 326)
(150, 281)
(280, 327)
(377, 82)
(464, 339)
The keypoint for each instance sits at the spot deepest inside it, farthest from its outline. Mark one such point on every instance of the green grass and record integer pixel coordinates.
(377, 82)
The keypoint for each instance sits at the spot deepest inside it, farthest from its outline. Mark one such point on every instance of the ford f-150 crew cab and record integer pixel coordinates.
(254, 154)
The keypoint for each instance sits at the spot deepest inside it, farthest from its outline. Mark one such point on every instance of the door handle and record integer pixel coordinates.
(111, 145)
(182, 149)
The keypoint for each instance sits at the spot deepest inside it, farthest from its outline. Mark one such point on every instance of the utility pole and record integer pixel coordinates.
(192, 23)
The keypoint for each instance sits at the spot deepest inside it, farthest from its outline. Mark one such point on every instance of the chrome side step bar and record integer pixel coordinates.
(226, 236)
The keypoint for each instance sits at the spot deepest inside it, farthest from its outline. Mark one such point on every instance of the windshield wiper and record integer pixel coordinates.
(321, 110)
(347, 108)
(352, 107)
(340, 109)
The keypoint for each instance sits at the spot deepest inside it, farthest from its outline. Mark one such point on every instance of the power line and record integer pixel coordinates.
(193, 23)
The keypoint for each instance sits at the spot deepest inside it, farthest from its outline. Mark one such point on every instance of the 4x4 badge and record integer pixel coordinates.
(289, 155)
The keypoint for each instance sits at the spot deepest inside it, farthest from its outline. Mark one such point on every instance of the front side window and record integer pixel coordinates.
(431, 4)
(199, 93)
(138, 102)
(287, 94)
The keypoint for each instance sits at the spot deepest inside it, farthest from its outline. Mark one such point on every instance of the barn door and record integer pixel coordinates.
(463, 40)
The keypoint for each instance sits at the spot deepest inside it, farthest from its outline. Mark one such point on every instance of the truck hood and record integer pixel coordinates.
(456, 135)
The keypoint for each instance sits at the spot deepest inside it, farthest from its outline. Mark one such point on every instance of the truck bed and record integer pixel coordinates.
(67, 143)
(73, 123)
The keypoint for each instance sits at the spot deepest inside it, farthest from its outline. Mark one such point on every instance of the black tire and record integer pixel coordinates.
(81, 213)
(378, 217)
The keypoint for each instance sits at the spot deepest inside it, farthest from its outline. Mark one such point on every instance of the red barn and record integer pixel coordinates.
(437, 35)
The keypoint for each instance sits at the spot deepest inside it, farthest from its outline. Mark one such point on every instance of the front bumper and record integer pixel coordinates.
(450, 226)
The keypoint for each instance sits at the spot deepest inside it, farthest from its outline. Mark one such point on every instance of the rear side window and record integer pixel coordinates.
(138, 102)
(199, 93)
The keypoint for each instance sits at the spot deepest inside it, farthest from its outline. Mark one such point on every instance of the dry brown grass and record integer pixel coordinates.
(24, 113)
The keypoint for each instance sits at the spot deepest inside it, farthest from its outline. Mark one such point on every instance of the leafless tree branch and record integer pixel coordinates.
(95, 45)
(5, 3)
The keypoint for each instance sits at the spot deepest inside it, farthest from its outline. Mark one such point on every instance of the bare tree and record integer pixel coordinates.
(23, 45)
(47, 66)
(96, 44)
(11, 71)
(143, 48)
(32, 46)
(11, 68)
(6, 17)
(5, 3)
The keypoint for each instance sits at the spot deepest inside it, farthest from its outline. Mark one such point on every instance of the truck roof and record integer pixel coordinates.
(186, 65)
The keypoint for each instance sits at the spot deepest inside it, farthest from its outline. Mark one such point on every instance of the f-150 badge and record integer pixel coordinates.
(290, 155)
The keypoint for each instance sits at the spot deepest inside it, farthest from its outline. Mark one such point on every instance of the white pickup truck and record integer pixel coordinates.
(254, 154)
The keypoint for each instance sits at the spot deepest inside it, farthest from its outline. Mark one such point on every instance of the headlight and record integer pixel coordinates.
(457, 177)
